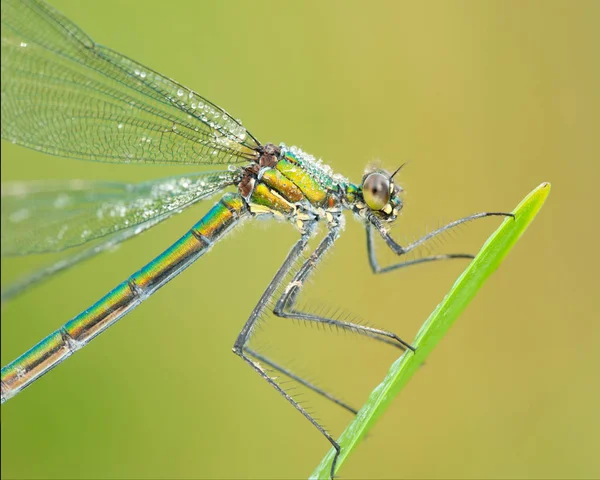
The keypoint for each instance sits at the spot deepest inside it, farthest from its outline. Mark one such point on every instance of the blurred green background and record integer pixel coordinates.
(485, 100)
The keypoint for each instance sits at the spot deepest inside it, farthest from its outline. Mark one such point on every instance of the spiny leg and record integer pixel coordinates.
(300, 380)
(284, 306)
(400, 250)
(378, 269)
(239, 347)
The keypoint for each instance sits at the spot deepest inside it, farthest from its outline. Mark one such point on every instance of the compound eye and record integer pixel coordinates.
(376, 191)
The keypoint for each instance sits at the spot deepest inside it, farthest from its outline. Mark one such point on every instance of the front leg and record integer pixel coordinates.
(378, 269)
(374, 222)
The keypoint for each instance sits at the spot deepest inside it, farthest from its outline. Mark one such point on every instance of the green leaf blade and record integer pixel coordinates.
(435, 327)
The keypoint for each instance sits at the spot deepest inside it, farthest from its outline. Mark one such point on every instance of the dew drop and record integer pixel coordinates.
(62, 232)
(19, 215)
(61, 201)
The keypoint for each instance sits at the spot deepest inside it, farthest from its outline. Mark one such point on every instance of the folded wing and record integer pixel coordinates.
(65, 95)
(40, 217)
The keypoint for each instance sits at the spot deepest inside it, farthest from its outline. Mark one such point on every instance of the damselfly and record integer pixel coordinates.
(65, 95)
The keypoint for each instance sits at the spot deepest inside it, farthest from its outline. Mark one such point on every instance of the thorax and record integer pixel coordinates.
(291, 184)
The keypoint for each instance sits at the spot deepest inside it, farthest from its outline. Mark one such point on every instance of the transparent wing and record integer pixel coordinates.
(66, 95)
(40, 217)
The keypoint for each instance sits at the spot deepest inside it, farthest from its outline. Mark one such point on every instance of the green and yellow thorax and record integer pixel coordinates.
(289, 183)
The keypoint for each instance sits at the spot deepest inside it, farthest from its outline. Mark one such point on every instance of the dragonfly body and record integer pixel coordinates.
(286, 183)
(65, 95)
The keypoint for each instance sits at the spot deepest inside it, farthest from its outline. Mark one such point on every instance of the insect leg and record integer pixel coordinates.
(285, 305)
(300, 380)
(239, 347)
(379, 269)
(400, 250)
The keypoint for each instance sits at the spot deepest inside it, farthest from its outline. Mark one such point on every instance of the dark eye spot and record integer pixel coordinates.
(376, 191)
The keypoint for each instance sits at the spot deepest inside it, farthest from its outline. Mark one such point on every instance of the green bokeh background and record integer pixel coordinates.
(486, 100)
